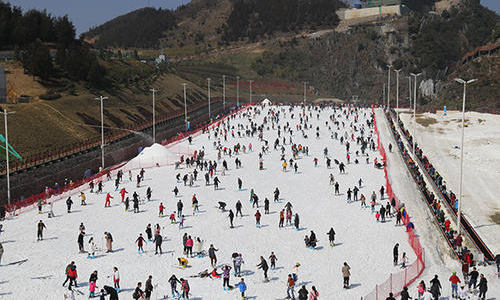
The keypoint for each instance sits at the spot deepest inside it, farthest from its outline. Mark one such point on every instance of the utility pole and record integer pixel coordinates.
(409, 90)
(224, 92)
(209, 115)
(397, 92)
(251, 81)
(101, 98)
(388, 85)
(185, 107)
(305, 98)
(237, 91)
(414, 111)
(5, 114)
(459, 212)
(383, 91)
(154, 112)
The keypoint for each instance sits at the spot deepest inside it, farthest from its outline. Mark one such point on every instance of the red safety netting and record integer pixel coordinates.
(395, 283)
(31, 202)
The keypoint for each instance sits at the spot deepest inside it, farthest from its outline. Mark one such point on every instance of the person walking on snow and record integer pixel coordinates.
(69, 202)
(273, 260)
(257, 219)
(346, 274)
(116, 279)
(122, 193)
(140, 242)
(395, 253)
(264, 266)
(108, 200)
(40, 227)
(331, 236)
(290, 284)
(243, 288)
(454, 284)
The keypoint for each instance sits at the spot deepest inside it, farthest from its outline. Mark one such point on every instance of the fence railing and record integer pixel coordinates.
(17, 207)
(396, 282)
(78, 147)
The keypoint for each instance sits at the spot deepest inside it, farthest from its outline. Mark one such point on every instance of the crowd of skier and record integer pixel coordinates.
(350, 127)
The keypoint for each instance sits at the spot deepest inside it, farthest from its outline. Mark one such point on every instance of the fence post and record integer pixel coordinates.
(376, 292)
(406, 269)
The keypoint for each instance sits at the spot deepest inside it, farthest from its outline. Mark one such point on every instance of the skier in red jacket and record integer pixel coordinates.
(108, 200)
(123, 192)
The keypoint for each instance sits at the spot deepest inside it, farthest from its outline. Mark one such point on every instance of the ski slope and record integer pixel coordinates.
(360, 241)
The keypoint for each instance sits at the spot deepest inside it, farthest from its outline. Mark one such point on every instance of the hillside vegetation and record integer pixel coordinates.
(142, 28)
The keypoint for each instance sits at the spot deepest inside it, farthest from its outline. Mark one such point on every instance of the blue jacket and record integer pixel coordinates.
(242, 285)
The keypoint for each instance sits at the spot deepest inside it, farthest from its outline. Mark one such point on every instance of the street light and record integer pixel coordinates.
(237, 91)
(5, 113)
(414, 110)
(388, 84)
(208, 79)
(251, 81)
(224, 92)
(185, 107)
(101, 98)
(465, 83)
(397, 93)
(305, 83)
(409, 89)
(154, 121)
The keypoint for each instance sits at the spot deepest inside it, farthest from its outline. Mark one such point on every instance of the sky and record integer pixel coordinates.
(88, 13)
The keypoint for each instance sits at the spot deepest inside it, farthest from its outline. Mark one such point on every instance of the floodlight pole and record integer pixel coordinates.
(251, 81)
(185, 107)
(459, 211)
(397, 93)
(224, 92)
(414, 111)
(5, 114)
(101, 99)
(237, 91)
(154, 112)
(208, 80)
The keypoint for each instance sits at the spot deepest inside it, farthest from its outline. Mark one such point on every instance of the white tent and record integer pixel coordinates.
(266, 102)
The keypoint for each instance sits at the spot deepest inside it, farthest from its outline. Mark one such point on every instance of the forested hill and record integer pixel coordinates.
(255, 18)
(142, 28)
(222, 21)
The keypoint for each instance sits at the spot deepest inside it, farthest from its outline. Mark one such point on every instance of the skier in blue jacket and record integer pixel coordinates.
(243, 288)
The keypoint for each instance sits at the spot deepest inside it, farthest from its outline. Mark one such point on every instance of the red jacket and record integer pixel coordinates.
(189, 242)
(454, 279)
(108, 196)
(291, 283)
(72, 273)
(458, 241)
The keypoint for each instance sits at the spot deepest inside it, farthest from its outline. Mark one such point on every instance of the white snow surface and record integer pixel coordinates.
(360, 241)
(151, 156)
(440, 142)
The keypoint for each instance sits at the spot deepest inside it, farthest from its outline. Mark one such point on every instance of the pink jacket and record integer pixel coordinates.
(189, 242)
(313, 295)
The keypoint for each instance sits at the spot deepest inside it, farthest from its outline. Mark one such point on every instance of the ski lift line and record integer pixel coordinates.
(472, 234)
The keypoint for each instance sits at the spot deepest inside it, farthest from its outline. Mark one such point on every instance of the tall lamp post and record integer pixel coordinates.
(414, 110)
(397, 92)
(305, 97)
(388, 85)
(154, 112)
(224, 92)
(5, 114)
(459, 211)
(237, 91)
(185, 107)
(251, 81)
(101, 98)
(208, 79)
(409, 90)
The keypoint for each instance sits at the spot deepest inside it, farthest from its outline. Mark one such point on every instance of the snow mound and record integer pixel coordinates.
(151, 156)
